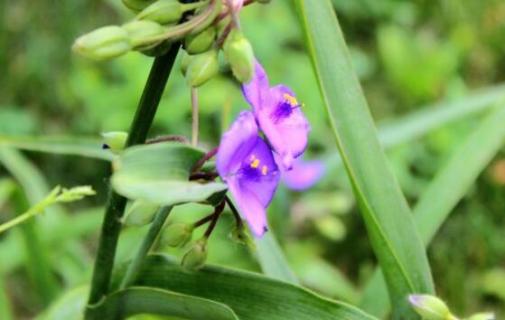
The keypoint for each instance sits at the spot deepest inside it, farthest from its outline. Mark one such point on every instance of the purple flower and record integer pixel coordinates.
(303, 175)
(246, 163)
(279, 116)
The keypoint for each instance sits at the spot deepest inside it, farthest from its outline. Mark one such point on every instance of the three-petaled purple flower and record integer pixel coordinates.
(249, 165)
(279, 116)
(246, 163)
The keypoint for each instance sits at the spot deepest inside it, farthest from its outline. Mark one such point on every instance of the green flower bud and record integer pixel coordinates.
(140, 213)
(137, 5)
(202, 68)
(200, 42)
(158, 50)
(185, 61)
(103, 43)
(176, 235)
(429, 307)
(240, 235)
(140, 33)
(239, 53)
(195, 258)
(483, 316)
(166, 11)
(114, 140)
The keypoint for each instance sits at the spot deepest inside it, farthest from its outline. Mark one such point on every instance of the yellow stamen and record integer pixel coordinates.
(264, 170)
(291, 100)
(255, 163)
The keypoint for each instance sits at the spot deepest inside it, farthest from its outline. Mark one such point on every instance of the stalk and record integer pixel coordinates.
(111, 225)
(146, 245)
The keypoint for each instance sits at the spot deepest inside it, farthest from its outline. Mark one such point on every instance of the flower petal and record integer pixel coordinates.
(251, 209)
(236, 144)
(304, 174)
(256, 91)
(284, 124)
(254, 185)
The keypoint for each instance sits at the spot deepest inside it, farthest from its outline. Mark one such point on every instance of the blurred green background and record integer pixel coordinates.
(407, 54)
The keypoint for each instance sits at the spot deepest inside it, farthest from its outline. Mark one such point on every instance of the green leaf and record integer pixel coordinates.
(250, 295)
(449, 186)
(159, 173)
(59, 145)
(142, 300)
(69, 306)
(387, 216)
(272, 259)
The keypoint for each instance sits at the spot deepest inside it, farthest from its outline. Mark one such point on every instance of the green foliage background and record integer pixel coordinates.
(407, 54)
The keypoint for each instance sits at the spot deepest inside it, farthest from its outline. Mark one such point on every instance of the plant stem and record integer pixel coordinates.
(194, 111)
(147, 243)
(111, 226)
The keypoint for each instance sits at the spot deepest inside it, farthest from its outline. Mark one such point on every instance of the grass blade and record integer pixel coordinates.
(390, 226)
(449, 186)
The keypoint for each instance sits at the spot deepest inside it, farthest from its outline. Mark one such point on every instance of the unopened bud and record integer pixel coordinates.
(429, 307)
(482, 316)
(202, 68)
(103, 43)
(176, 235)
(200, 42)
(114, 140)
(240, 235)
(185, 61)
(137, 5)
(140, 213)
(239, 53)
(141, 32)
(195, 258)
(166, 11)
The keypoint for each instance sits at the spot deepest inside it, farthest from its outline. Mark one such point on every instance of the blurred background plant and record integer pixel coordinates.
(406, 54)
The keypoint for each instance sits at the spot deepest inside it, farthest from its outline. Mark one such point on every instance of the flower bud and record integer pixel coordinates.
(240, 235)
(115, 141)
(200, 42)
(166, 11)
(195, 258)
(483, 316)
(176, 235)
(185, 61)
(141, 32)
(103, 43)
(429, 307)
(239, 53)
(140, 213)
(137, 5)
(202, 67)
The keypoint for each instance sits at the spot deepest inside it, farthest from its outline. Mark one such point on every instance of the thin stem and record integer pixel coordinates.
(204, 159)
(111, 226)
(236, 215)
(217, 212)
(194, 112)
(203, 220)
(145, 246)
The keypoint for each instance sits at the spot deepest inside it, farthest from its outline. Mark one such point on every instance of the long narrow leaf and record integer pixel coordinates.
(388, 219)
(449, 186)
(144, 300)
(251, 296)
(272, 260)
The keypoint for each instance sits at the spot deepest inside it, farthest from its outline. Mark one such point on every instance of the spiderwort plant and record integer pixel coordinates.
(260, 147)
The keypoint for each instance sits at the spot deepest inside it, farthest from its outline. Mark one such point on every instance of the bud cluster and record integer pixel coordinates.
(158, 23)
(155, 23)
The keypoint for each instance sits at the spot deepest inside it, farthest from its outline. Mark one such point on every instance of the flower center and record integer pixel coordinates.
(285, 107)
(253, 169)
